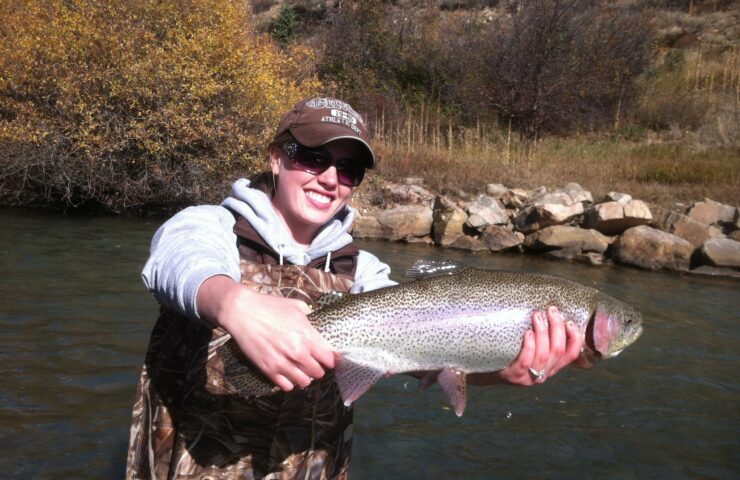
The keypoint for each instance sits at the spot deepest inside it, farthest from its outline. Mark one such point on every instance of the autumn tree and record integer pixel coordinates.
(123, 105)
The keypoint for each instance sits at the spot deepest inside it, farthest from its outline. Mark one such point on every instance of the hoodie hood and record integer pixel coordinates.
(256, 207)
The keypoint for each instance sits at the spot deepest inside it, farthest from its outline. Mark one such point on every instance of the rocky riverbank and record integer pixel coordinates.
(564, 223)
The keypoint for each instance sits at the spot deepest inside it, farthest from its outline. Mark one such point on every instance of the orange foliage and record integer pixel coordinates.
(127, 103)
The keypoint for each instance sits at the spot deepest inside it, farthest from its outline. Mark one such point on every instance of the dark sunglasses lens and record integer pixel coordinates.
(349, 175)
(311, 162)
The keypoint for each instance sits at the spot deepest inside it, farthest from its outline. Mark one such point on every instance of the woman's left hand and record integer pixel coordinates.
(551, 345)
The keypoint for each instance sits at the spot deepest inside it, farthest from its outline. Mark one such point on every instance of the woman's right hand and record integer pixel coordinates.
(273, 332)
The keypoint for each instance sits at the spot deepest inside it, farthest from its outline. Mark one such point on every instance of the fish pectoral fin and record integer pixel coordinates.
(453, 384)
(355, 378)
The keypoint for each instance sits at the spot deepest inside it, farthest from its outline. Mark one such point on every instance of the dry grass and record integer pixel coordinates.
(661, 173)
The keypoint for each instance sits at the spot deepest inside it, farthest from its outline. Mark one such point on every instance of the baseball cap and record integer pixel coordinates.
(316, 121)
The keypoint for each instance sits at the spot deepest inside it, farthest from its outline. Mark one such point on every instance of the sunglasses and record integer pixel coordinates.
(349, 170)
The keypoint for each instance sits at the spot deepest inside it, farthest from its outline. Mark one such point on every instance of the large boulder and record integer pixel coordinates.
(448, 221)
(654, 249)
(684, 226)
(695, 232)
(615, 217)
(367, 226)
(485, 211)
(406, 221)
(536, 217)
(713, 213)
(569, 238)
(497, 238)
(721, 252)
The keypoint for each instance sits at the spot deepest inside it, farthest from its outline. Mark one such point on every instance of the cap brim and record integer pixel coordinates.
(311, 137)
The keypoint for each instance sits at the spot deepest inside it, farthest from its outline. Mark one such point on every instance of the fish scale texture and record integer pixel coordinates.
(473, 319)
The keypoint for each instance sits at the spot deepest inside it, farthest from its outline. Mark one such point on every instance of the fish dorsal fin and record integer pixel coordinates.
(453, 384)
(328, 298)
(354, 377)
(434, 268)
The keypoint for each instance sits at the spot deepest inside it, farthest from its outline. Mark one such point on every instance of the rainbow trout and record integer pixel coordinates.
(466, 321)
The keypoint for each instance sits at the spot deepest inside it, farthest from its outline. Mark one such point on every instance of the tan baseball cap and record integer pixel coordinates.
(316, 121)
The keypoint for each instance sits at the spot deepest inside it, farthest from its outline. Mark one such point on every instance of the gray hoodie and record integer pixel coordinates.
(198, 243)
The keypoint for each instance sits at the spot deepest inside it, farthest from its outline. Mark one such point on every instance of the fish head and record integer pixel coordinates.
(615, 326)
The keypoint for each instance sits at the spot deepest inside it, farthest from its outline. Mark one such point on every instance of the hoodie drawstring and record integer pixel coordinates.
(328, 262)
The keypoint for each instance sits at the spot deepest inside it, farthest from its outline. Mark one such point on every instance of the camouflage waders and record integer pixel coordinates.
(190, 422)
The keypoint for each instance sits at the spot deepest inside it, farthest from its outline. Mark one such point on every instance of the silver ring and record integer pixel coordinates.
(537, 374)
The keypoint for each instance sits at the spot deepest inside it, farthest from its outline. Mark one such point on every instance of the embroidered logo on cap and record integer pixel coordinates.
(339, 112)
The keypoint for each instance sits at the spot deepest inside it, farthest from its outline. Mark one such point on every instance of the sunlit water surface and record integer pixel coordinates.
(75, 321)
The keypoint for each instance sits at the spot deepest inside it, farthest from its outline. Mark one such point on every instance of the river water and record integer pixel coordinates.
(75, 321)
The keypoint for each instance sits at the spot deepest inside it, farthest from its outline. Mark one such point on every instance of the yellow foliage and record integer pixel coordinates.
(164, 85)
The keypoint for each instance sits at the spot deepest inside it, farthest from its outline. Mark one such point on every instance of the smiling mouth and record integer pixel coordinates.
(319, 198)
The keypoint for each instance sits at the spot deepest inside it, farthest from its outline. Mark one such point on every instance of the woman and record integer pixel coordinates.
(242, 276)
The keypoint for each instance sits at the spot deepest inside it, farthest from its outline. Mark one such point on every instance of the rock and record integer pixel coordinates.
(405, 221)
(651, 248)
(578, 194)
(514, 198)
(485, 211)
(683, 226)
(721, 252)
(407, 194)
(716, 272)
(367, 226)
(496, 190)
(569, 238)
(695, 232)
(536, 217)
(448, 221)
(467, 242)
(497, 238)
(734, 235)
(612, 218)
(664, 218)
(573, 254)
(623, 198)
(713, 213)
(569, 195)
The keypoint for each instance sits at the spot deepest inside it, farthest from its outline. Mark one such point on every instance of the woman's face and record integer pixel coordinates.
(307, 201)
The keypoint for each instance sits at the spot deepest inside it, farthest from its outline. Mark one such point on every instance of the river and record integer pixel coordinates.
(75, 321)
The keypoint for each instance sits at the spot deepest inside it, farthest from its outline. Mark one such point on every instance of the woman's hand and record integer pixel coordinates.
(273, 332)
(545, 350)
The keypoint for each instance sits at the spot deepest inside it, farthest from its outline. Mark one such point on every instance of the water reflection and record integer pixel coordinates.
(75, 322)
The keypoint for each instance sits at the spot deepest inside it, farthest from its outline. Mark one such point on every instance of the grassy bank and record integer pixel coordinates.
(659, 172)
